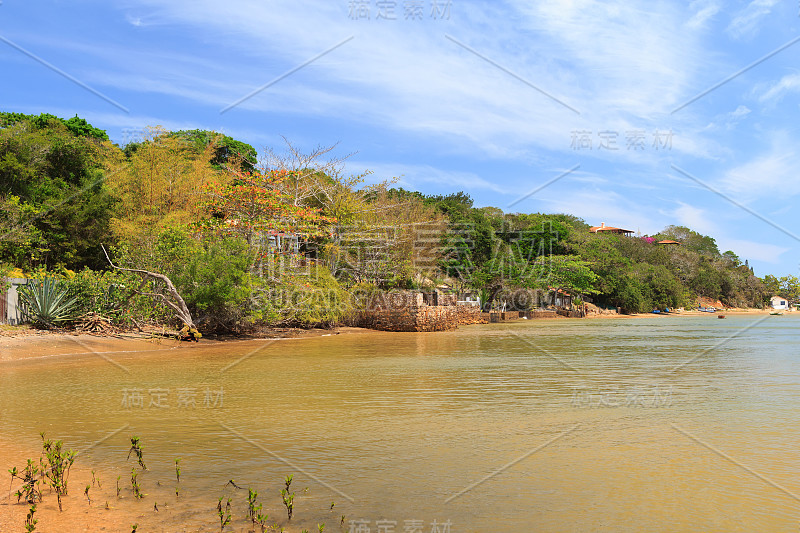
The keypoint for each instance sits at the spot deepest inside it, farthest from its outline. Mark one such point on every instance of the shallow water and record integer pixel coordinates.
(662, 424)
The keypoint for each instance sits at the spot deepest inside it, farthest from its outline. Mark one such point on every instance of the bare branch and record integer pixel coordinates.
(179, 305)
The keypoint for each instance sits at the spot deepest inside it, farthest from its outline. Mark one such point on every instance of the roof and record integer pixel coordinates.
(559, 291)
(610, 229)
(667, 241)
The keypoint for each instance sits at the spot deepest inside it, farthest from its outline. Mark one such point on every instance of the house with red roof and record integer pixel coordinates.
(602, 228)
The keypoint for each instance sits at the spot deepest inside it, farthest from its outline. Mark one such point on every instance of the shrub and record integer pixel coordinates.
(104, 293)
(315, 299)
(46, 303)
(217, 284)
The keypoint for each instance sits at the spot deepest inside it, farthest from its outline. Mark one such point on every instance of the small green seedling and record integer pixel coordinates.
(31, 483)
(137, 490)
(137, 448)
(224, 514)
(288, 497)
(30, 521)
(58, 466)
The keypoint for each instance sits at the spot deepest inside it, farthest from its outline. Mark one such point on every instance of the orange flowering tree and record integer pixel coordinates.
(253, 204)
(254, 207)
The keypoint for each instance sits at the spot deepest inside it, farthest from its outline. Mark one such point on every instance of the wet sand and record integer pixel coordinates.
(77, 514)
(43, 345)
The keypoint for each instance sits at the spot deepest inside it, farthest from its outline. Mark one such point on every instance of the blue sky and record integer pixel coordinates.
(493, 98)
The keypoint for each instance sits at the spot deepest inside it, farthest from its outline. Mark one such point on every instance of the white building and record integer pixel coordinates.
(776, 302)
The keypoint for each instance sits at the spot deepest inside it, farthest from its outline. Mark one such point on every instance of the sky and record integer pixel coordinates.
(639, 114)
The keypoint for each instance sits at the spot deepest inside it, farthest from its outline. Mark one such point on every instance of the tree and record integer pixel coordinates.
(786, 286)
(58, 178)
(255, 208)
(306, 177)
(570, 274)
(171, 299)
(19, 241)
(692, 240)
(732, 259)
(78, 126)
(228, 153)
(160, 185)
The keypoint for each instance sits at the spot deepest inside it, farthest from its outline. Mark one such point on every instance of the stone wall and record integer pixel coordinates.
(407, 311)
(469, 314)
(395, 300)
(543, 313)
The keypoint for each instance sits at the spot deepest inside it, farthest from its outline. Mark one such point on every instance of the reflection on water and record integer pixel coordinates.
(597, 425)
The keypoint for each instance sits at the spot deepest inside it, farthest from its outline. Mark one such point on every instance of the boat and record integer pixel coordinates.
(720, 316)
(776, 313)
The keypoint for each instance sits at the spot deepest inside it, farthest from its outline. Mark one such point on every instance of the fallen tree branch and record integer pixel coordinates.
(178, 305)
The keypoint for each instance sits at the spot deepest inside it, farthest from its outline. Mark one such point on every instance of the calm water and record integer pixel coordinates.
(608, 425)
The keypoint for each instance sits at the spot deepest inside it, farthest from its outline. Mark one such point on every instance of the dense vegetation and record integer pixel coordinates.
(292, 239)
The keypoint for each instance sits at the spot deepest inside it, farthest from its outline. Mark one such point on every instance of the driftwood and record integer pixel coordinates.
(176, 303)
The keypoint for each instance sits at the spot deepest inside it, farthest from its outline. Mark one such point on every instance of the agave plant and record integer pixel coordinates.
(46, 303)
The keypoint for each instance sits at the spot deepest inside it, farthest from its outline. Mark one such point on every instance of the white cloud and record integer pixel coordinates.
(740, 112)
(695, 218)
(746, 21)
(134, 21)
(596, 205)
(753, 251)
(618, 62)
(417, 177)
(704, 10)
(789, 83)
(731, 119)
(771, 173)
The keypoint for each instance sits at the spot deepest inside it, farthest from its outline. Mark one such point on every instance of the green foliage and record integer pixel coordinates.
(135, 487)
(315, 299)
(692, 240)
(217, 284)
(46, 303)
(227, 151)
(137, 448)
(78, 126)
(106, 293)
(30, 491)
(192, 205)
(454, 205)
(786, 287)
(570, 274)
(52, 188)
